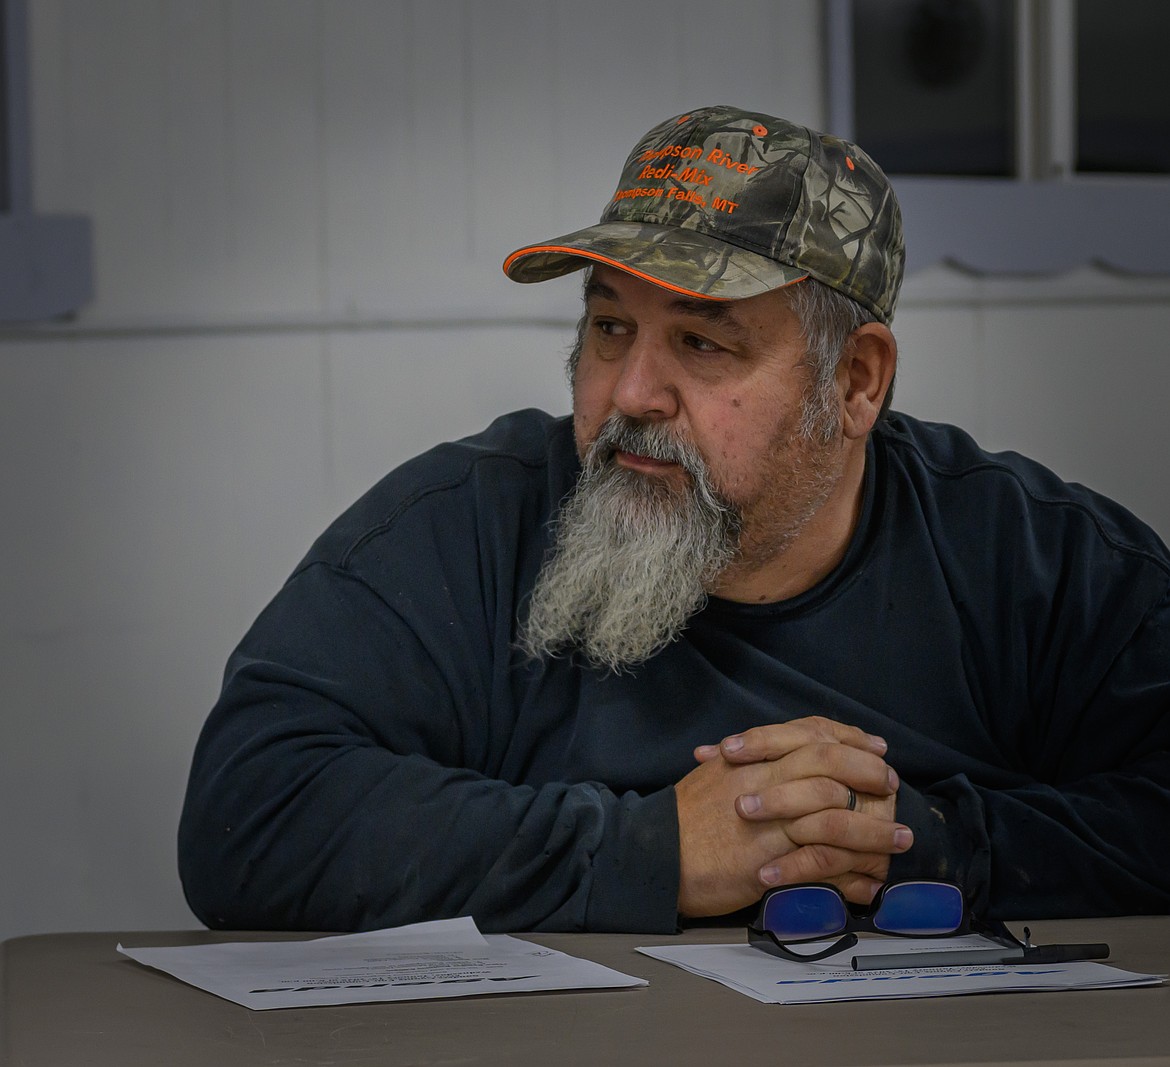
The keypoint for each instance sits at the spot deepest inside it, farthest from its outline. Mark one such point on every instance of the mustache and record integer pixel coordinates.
(621, 433)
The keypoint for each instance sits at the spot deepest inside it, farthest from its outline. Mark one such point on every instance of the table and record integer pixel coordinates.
(70, 999)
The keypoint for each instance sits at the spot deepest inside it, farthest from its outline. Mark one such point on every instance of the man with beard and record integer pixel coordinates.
(731, 626)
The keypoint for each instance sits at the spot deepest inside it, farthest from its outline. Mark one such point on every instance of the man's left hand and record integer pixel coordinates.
(857, 874)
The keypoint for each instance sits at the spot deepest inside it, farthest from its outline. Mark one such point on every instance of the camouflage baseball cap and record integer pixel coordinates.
(725, 204)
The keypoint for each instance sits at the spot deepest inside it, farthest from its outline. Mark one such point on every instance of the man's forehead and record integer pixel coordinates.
(770, 311)
(619, 287)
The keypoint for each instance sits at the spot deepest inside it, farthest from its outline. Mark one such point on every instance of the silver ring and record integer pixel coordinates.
(851, 803)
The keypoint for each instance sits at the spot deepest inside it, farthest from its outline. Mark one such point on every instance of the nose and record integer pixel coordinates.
(645, 387)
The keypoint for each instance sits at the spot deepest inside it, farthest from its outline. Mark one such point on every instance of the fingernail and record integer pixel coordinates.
(749, 804)
(878, 744)
(903, 838)
(706, 751)
(769, 875)
(892, 780)
(732, 744)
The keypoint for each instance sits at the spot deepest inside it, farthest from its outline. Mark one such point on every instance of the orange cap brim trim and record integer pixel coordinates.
(578, 253)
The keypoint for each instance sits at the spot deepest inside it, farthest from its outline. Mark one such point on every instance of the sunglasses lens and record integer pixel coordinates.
(804, 912)
(928, 908)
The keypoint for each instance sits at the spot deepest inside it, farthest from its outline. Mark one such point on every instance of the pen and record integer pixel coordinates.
(961, 958)
(982, 956)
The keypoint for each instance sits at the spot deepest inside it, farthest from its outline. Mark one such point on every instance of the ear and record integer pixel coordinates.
(864, 375)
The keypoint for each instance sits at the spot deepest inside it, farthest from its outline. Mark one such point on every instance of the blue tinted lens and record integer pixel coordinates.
(804, 911)
(920, 908)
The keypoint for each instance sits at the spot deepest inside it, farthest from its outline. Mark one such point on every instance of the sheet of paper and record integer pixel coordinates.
(777, 981)
(447, 958)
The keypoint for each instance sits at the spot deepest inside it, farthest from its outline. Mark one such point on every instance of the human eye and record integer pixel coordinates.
(702, 345)
(609, 327)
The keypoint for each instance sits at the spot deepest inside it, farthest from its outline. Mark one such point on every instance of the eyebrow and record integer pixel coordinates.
(600, 290)
(716, 312)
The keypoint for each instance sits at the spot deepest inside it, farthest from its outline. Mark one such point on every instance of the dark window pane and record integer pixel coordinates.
(934, 85)
(5, 103)
(1123, 101)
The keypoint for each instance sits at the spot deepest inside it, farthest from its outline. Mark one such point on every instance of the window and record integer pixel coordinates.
(45, 260)
(1021, 136)
(934, 85)
(1122, 100)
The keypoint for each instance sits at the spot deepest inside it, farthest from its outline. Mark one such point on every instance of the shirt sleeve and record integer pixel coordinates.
(347, 780)
(1086, 833)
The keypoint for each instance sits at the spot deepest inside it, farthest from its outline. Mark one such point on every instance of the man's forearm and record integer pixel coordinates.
(362, 839)
(1093, 847)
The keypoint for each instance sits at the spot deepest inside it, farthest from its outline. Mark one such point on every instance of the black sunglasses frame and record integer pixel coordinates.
(859, 918)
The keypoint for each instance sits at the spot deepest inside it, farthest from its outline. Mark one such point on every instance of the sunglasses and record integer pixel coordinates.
(797, 914)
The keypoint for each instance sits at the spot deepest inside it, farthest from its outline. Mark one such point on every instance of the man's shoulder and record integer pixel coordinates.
(523, 462)
(948, 451)
(983, 487)
(521, 441)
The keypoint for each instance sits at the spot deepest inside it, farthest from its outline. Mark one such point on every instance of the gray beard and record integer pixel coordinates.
(633, 556)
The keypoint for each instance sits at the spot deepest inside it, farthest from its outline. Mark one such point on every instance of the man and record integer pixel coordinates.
(730, 627)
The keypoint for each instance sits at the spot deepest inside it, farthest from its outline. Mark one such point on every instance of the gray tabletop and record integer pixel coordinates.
(71, 999)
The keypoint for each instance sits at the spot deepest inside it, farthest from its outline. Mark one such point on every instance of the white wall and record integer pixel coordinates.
(300, 208)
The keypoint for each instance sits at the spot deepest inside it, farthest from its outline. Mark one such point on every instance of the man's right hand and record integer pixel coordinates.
(770, 806)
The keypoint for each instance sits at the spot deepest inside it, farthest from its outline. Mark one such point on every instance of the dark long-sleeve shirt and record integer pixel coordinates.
(381, 753)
